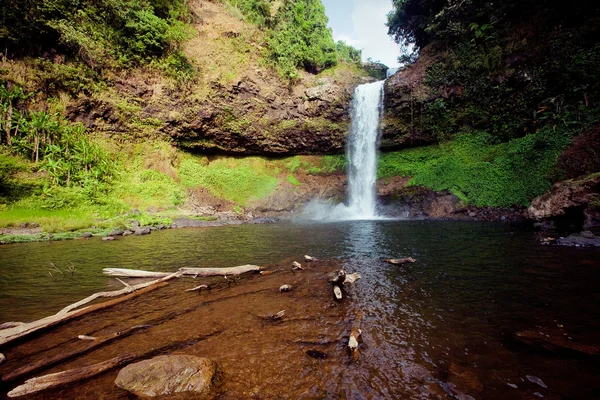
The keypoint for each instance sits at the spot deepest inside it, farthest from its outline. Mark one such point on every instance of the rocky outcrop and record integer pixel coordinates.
(574, 202)
(405, 95)
(165, 375)
(417, 202)
(234, 104)
(247, 119)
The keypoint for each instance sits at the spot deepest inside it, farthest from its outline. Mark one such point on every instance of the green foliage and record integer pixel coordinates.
(291, 179)
(348, 53)
(65, 151)
(510, 68)
(301, 38)
(98, 32)
(298, 36)
(480, 172)
(257, 12)
(178, 67)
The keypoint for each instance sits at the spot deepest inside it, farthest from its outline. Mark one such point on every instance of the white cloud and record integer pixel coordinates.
(368, 21)
(349, 40)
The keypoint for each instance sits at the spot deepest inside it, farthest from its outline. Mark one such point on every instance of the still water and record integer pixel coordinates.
(449, 317)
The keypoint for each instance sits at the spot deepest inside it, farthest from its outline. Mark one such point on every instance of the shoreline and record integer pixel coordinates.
(31, 232)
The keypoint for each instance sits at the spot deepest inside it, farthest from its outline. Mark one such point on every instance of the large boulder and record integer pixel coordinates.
(578, 197)
(164, 375)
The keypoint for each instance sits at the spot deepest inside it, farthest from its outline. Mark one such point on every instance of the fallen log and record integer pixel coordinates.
(134, 273)
(58, 379)
(127, 289)
(62, 357)
(355, 333)
(400, 261)
(197, 288)
(11, 324)
(337, 292)
(195, 272)
(203, 272)
(35, 385)
(351, 278)
(22, 330)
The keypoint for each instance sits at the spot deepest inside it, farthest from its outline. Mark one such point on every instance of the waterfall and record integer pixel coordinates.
(361, 151)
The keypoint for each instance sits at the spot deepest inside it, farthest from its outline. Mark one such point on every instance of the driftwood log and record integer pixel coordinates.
(11, 324)
(62, 357)
(198, 288)
(35, 385)
(400, 261)
(58, 379)
(355, 333)
(351, 278)
(337, 292)
(195, 272)
(70, 312)
(126, 290)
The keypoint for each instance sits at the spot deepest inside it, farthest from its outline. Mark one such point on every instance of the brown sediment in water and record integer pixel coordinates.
(258, 357)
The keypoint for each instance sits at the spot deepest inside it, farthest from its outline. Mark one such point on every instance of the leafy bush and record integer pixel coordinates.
(298, 36)
(98, 32)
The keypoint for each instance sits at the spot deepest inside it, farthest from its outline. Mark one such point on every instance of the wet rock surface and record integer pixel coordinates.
(164, 375)
(583, 239)
(397, 200)
(572, 202)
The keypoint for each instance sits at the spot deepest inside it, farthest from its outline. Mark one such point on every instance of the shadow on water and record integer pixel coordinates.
(439, 328)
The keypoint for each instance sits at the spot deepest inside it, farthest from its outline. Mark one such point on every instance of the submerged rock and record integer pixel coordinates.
(583, 239)
(164, 375)
(556, 341)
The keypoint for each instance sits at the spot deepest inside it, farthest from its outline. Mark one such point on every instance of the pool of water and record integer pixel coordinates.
(448, 318)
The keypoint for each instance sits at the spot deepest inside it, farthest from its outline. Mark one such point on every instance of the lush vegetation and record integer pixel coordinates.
(509, 67)
(479, 171)
(298, 36)
(507, 86)
(101, 33)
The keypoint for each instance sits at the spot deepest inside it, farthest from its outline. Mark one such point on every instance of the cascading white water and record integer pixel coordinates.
(362, 160)
(362, 149)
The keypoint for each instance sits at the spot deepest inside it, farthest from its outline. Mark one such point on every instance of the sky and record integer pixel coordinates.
(361, 24)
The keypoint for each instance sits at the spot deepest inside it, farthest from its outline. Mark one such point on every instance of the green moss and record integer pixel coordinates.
(292, 180)
(481, 173)
(238, 180)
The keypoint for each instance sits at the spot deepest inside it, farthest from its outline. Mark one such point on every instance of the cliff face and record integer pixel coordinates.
(236, 105)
